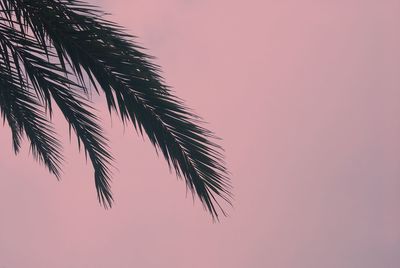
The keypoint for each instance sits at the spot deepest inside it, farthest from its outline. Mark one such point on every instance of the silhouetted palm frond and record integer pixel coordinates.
(42, 41)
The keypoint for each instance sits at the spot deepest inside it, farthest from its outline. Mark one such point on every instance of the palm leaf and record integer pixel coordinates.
(25, 115)
(50, 37)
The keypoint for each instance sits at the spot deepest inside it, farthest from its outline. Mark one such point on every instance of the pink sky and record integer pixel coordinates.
(306, 96)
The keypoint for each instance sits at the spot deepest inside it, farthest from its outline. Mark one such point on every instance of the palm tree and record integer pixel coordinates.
(59, 52)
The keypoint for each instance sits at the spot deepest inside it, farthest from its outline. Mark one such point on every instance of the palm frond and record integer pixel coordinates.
(48, 83)
(78, 37)
(25, 115)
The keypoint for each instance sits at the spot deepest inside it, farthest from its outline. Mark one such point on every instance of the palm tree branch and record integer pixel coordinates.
(77, 112)
(133, 86)
(46, 78)
(104, 51)
(24, 115)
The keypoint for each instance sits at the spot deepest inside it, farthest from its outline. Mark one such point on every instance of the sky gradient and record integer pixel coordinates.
(306, 96)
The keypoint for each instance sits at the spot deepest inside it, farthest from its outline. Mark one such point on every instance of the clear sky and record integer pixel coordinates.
(306, 96)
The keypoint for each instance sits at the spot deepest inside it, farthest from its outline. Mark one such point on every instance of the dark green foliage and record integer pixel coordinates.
(45, 43)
